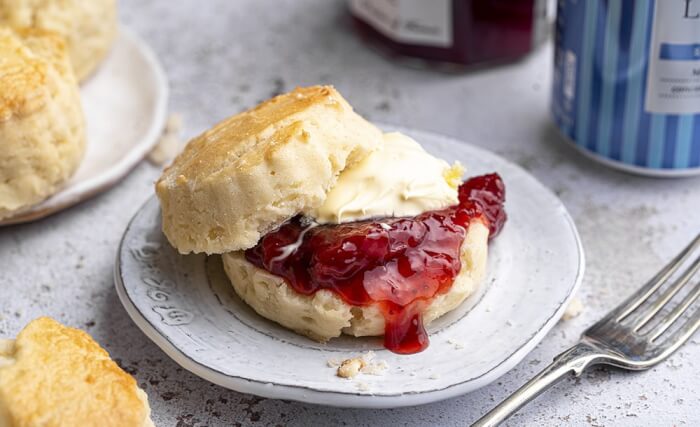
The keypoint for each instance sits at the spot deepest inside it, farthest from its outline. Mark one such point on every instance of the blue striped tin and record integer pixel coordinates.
(627, 82)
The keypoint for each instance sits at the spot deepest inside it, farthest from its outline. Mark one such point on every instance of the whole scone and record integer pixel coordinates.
(55, 376)
(324, 315)
(89, 26)
(249, 173)
(42, 129)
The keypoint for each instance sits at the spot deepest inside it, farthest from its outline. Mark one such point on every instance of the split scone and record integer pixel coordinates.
(42, 129)
(89, 26)
(326, 225)
(53, 375)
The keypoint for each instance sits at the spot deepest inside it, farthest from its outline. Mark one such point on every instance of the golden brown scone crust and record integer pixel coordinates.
(42, 129)
(253, 171)
(52, 375)
(325, 315)
(89, 26)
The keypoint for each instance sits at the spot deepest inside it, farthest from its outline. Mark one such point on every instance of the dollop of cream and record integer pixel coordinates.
(398, 179)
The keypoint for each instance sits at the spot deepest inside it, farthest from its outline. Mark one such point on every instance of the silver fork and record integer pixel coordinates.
(633, 336)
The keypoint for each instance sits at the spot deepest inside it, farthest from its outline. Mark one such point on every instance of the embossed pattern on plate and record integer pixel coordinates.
(186, 306)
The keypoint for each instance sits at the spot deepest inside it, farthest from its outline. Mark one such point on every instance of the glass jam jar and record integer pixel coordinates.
(464, 32)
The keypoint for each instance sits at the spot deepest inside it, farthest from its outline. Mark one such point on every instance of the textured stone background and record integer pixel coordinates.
(223, 56)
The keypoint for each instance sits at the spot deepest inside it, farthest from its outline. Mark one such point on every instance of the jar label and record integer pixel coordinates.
(673, 81)
(418, 22)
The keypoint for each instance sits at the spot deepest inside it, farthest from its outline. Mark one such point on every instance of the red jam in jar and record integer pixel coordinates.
(452, 31)
(400, 264)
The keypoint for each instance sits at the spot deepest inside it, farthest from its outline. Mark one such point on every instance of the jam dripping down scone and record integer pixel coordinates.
(326, 225)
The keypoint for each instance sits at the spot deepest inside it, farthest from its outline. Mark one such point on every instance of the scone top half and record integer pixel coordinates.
(253, 171)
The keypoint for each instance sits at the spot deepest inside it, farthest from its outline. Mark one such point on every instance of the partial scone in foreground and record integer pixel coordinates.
(88, 26)
(42, 130)
(328, 226)
(55, 376)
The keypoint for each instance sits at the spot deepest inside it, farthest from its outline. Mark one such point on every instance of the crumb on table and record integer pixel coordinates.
(168, 145)
(574, 309)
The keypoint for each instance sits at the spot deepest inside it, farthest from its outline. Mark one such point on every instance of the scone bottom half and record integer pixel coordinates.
(254, 171)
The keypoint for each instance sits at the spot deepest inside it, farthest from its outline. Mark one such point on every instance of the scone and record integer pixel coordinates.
(52, 375)
(381, 242)
(89, 26)
(42, 129)
(247, 174)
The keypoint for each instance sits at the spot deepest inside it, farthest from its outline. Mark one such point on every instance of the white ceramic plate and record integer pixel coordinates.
(187, 307)
(125, 105)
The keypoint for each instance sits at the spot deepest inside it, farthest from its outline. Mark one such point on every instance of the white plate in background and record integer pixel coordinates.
(125, 105)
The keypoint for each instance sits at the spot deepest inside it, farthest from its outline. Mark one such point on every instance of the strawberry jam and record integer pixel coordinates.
(400, 264)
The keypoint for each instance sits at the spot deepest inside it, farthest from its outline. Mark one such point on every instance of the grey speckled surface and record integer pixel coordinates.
(223, 56)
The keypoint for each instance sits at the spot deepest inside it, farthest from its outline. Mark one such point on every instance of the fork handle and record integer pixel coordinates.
(573, 360)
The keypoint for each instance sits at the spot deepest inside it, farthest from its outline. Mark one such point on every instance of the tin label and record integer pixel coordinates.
(673, 81)
(417, 22)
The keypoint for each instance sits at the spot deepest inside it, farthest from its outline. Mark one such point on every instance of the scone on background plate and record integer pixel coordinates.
(53, 376)
(42, 129)
(89, 26)
(326, 225)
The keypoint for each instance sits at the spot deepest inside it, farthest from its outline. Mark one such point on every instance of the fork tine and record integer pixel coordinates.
(676, 313)
(678, 338)
(634, 301)
(666, 296)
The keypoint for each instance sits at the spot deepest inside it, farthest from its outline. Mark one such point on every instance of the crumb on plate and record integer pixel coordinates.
(362, 386)
(365, 364)
(350, 368)
(458, 345)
